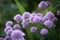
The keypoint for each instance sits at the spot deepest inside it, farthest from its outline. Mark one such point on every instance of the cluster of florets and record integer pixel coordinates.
(14, 32)
(44, 4)
(26, 19)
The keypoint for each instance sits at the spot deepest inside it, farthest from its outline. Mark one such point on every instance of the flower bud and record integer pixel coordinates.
(33, 29)
(50, 15)
(9, 23)
(48, 23)
(16, 26)
(58, 13)
(42, 4)
(18, 17)
(26, 15)
(43, 31)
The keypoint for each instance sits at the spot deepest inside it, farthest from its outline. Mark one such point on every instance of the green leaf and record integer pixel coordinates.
(20, 7)
(53, 7)
(52, 34)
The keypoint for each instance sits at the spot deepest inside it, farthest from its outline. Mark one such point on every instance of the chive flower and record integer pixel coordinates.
(44, 31)
(33, 29)
(50, 15)
(42, 4)
(48, 3)
(32, 16)
(16, 26)
(24, 24)
(54, 19)
(48, 23)
(37, 19)
(58, 13)
(26, 15)
(7, 28)
(9, 23)
(18, 17)
(39, 14)
(8, 33)
(17, 34)
(45, 18)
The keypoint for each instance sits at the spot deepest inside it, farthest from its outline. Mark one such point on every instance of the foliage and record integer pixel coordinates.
(9, 8)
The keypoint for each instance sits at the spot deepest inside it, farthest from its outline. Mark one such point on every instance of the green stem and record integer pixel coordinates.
(30, 36)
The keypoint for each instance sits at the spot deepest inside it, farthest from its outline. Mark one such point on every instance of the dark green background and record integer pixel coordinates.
(8, 9)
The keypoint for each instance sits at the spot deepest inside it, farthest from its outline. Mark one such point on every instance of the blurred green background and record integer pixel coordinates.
(8, 9)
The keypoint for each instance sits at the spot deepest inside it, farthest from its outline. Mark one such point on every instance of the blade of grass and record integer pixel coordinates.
(20, 7)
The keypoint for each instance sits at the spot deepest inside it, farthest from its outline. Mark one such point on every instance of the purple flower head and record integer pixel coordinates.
(42, 4)
(39, 14)
(43, 31)
(26, 15)
(18, 17)
(24, 24)
(9, 23)
(9, 32)
(1, 38)
(48, 23)
(16, 26)
(7, 28)
(54, 19)
(48, 3)
(7, 38)
(17, 34)
(32, 17)
(37, 19)
(44, 18)
(33, 29)
(26, 20)
(50, 15)
(58, 13)
(33, 14)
